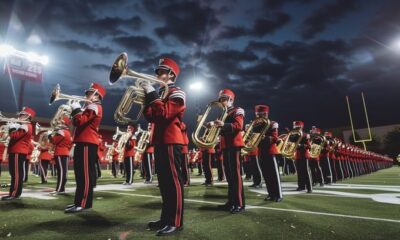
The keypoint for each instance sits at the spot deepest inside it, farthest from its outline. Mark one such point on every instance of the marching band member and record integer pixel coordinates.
(62, 141)
(129, 154)
(167, 114)
(86, 138)
(2, 155)
(324, 161)
(185, 161)
(148, 158)
(100, 154)
(315, 168)
(198, 159)
(28, 161)
(44, 158)
(302, 156)
(115, 162)
(267, 151)
(220, 161)
(255, 168)
(207, 159)
(18, 149)
(232, 142)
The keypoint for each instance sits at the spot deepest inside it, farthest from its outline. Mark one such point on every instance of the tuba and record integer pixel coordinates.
(254, 134)
(204, 136)
(133, 94)
(317, 144)
(290, 144)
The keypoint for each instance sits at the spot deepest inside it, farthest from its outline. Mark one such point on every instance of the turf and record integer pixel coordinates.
(124, 214)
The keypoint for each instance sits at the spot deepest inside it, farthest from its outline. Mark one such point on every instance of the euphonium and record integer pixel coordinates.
(4, 136)
(123, 139)
(280, 142)
(144, 140)
(110, 152)
(205, 136)
(317, 143)
(254, 133)
(63, 110)
(291, 142)
(133, 94)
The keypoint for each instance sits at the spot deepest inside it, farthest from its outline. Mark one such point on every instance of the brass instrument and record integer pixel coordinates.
(12, 120)
(117, 134)
(63, 110)
(35, 152)
(4, 136)
(133, 94)
(317, 143)
(66, 109)
(280, 142)
(205, 136)
(292, 140)
(123, 139)
(39, 129)
(142, 144)
(110, 152)
(253, 136)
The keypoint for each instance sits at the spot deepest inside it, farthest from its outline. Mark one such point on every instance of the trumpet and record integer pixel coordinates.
(254, 133)
(56, 95)
(205, 136)
(39, 129)
(11, 120)
(292, 140)
(133, 94)
(117, 133)
(317, 144)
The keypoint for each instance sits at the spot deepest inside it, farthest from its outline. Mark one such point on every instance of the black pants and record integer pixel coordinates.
(207, 166)
(114, 168)
(339, 170)
(270, 172)
(44, 165)
(168, 162)
(255, 169)
(220, 168)
(62, 169)
(85, 155)
(232, 166)
(185, 169)
(334, 170)
(326, 169)
(98, 168)
(199, 167)
(0, 167)
(129, 169)
(303, 174)
(316, 171)
(147, 163)
(26, 170)
(122, 168)
(247, 169)
(16, 164)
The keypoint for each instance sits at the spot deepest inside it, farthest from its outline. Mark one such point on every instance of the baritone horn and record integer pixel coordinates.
(133, 94)
(205, 136)
(317, 144)
(290, 144)
(255, 133)
(39, 129)
(56, 95)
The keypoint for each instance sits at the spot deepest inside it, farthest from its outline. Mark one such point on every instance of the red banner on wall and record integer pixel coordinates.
(23, 69)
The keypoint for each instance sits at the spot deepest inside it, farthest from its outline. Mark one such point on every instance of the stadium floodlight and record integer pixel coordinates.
(196, 86)
(6, 50)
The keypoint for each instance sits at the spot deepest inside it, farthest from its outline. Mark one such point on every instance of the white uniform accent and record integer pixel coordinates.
(60, 132)
(275, 125)
(178, 94)
(24, 127)
(93, 107)
(239, 111)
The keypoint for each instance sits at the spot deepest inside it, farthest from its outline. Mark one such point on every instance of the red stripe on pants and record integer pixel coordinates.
(177, 186)
(16, 174)
(86, 174)
(239, 179)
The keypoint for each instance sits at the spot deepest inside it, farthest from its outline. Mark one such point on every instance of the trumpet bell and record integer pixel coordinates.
(54, 94)
(119, 68)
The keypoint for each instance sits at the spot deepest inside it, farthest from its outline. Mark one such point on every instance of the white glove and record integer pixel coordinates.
(12, 125)
(75, 105)
(147, 87)
(49, 132)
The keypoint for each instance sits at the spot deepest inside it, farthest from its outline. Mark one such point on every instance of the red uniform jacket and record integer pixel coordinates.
(231, 131)
(166, 115)
(130, 148)
(29, 156)
(253, 153)
(100, 150)
(62, 142)
(302, 150)
(115, 153)
(20, 140)
(87, 123)
(44, 152)
(207, 150)
(268, 144)
(2, 149)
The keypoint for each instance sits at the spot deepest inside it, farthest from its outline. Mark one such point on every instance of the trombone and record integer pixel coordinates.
(205, 136)
(133, 94)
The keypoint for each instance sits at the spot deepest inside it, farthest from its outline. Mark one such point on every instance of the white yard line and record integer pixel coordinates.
(270, 208)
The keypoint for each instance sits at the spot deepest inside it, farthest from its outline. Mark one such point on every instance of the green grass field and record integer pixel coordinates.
(366, 207)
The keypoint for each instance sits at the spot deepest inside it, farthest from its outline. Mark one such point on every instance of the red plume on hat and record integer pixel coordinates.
(29, 111)
(327, 134)
(169, 65)
(99, 89)
(262, 109)
(226, 93)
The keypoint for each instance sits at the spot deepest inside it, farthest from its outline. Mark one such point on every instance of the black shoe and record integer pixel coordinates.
(309, 191)
(69, 206)
(168, 230)
(8, 198)
(268, 198)
(278, 199)
(225, 207)
(74, 210)
(236, 210)
(321, 185)
(155, 225)
(300, 189)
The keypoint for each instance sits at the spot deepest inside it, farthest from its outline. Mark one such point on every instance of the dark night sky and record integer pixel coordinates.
(301, 57)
